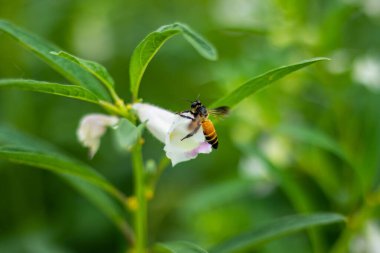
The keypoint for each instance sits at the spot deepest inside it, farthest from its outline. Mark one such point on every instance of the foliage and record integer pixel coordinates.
(306, 145)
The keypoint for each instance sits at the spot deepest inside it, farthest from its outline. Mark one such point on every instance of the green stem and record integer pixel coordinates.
(151, 184)
(141, 212)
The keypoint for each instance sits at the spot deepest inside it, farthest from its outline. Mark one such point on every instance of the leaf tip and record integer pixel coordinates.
(214, 56)
(321, 59)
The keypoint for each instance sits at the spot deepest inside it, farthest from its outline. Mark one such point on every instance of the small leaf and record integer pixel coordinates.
(68, 69)
(71, 91)
(94, 68)
(127, 134)
(257, 83)
(276, 229)
(200, 44)
(179, 247)
(149, 46)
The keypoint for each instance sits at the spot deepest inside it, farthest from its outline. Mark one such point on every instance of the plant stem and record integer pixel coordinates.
(141, 212)
(160, 169)
(127, 233)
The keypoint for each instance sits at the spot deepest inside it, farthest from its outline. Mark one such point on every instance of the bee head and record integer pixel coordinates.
(195, 106)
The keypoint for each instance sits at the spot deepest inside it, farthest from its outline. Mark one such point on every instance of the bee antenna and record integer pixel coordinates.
(187, 100)
(198, 96)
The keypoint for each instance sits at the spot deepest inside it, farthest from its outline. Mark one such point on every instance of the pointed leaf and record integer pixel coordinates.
(71, 91)
(42, 49)
(98, 70)
(126, 134)
(204, 47)
(148, 48)
(257, 83)
(179, 247)
(276, 229)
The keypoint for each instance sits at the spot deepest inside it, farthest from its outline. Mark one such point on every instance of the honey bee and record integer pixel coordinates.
(200, 119)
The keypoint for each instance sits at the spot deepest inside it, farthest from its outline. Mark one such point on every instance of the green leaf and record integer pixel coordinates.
(313, 137)
(281, 227)
(94, 68)
(204, 47)
(68, 69)
(179, 247)
(257, 83)
(126, 134)
(58, 164)
(101, 200)
(150, 45)
(20, 148)
(214, 195)
(298, 195)
(71, 91)
(326, 177)
(12, 137)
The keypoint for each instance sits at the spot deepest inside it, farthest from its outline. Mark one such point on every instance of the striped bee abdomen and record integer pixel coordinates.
(210, 133)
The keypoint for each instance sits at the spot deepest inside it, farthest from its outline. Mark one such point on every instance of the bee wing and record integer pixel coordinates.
(219, 111)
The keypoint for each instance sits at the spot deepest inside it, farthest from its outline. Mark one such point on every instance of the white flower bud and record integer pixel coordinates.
(91, 128)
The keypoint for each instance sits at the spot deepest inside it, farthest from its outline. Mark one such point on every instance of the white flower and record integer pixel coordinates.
(255, 169)
(170, 128)
(368, 240)
(158, 120)
(91, 129)
(366, 71)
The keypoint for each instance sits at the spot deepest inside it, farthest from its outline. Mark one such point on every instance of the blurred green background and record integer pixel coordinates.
(309, 143)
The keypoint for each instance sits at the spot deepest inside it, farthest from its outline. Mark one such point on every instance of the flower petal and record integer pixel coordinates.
(180, 156)
(170, 128)
(179, 150)
(158, 119)
(91, 129)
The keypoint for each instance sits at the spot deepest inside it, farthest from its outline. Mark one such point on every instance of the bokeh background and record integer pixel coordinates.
(309, 143)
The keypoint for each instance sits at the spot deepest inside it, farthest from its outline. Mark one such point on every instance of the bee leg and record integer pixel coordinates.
(185, 116)
(192, 133)
(187, 111)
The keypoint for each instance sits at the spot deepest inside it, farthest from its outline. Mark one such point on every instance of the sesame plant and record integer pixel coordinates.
(128, 119)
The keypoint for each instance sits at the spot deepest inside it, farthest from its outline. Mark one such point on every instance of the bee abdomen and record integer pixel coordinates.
(212, 140)
(210, 133)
